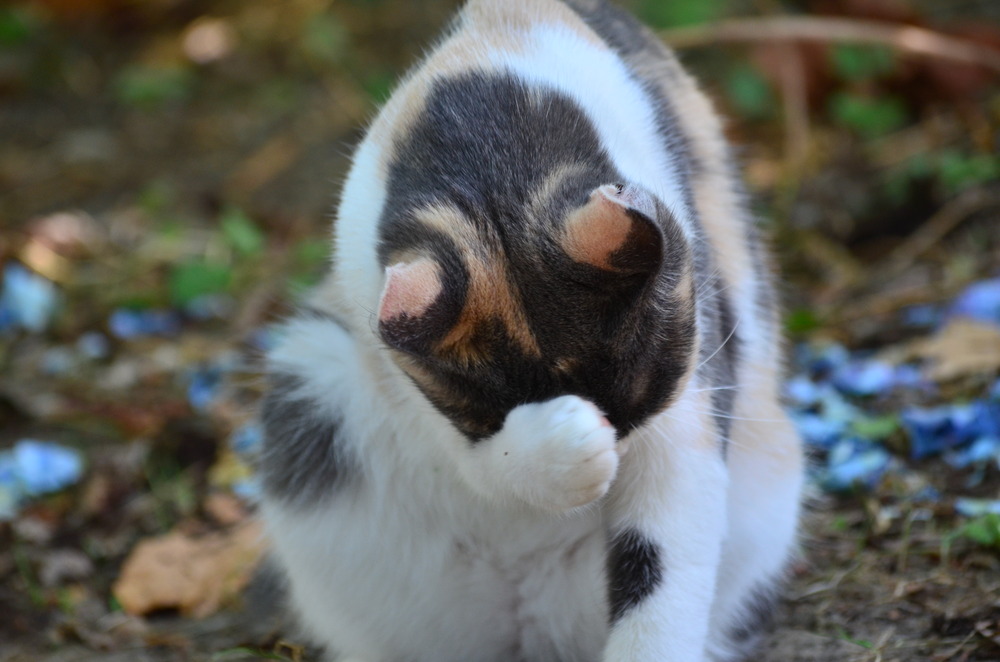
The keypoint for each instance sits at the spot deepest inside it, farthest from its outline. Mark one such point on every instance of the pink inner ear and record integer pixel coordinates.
(410, 289)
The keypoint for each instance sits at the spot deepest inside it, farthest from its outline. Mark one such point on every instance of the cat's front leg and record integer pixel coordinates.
(554, 455)
(667, 520)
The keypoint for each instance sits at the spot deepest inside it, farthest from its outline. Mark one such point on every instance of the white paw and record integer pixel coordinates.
(560, 454)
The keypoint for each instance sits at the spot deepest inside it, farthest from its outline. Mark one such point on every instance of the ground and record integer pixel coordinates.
(168, 172)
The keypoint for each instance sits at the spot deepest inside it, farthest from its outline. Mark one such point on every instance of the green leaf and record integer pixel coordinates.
(151, 87)
(325, 38)
(17, 25)
(750, 92)
(957, 171)
(858, 63)
(310, 253)
(801, 320)
(984, 530)
(241, 233)
(192, 279)
(868, 117)
(156, 197)
(875, 427)
(378, 85)
(679, 13)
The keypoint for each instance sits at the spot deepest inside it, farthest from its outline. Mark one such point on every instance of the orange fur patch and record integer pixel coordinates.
(491, 294)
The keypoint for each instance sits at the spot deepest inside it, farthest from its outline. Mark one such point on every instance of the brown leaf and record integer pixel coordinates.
(195, 575)
(963, 347)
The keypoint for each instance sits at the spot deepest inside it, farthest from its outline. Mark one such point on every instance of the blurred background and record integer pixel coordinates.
(168, 170)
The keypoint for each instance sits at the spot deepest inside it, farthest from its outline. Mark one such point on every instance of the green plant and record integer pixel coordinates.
(150, 87)
(860, 63)
(867, 116)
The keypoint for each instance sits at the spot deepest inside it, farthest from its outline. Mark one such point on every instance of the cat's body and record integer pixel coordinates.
(542, 217)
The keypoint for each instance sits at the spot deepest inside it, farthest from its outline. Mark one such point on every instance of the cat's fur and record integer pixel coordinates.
(542, 259)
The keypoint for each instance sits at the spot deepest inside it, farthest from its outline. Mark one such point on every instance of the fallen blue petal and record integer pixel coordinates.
(980, 301)
(802, 391)
(977, 507)
(864, 377)
(934, 430)
(854, 463)
(835, 407)
(210, 306)
(247, 440)
(823, 359)
(248, 489)
(911, 377)
(204, 387)
(28, 300)
(922, 316)
(926, 494)
(817, 430)
(94, 345)
(127, 324)
(42, 467)
(981, 450)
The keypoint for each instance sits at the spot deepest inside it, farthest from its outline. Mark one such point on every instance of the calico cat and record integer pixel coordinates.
(532, 414)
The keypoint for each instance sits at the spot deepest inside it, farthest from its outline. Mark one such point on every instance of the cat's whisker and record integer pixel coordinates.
(715, 388)
(736, 324)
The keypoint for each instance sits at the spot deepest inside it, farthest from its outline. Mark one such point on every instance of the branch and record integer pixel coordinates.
(906, 38)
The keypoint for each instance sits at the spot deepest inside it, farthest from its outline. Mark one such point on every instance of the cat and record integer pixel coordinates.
(532, 414)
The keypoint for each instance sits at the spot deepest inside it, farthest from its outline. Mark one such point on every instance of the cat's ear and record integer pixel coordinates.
(413, 310)
(615, 231)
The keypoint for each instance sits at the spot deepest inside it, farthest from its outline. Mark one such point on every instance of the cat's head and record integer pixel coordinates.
(520, 266)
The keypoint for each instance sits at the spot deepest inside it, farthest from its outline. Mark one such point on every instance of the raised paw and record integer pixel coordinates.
(560, 454)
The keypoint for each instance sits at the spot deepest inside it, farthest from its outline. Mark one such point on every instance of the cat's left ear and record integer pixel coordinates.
(615, 231)
(414, 309)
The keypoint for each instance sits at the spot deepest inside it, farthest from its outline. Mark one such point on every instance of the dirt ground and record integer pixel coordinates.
(184, 176)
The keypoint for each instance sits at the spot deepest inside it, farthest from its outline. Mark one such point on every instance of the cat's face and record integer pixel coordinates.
(519, 267)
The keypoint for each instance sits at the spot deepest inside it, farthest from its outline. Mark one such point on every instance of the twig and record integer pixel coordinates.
(796, 106)
(935, 229)
(906, 38)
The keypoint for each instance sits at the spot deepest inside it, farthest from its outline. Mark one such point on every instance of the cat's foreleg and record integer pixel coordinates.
(667, 518)
(553, 455)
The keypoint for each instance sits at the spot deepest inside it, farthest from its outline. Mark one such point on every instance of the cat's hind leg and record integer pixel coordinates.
(765, 483)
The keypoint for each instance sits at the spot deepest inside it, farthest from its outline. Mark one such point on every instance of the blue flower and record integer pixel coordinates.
(864, 377)
(980, 301)
(127, 324)
(854, 463)
(28, 301)
(42, 467)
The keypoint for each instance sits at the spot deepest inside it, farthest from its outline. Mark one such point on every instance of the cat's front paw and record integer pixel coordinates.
(561, 453)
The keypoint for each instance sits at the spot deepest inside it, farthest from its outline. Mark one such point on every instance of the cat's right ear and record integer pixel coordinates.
(413, 310)
(615, 231)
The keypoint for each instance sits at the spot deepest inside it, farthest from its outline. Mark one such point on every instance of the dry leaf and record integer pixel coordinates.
(195, 575)
(963, 347)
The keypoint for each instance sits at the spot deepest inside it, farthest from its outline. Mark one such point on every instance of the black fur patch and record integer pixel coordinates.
(757, 617)
(634, 571)
(302, 462)
(484, 144)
